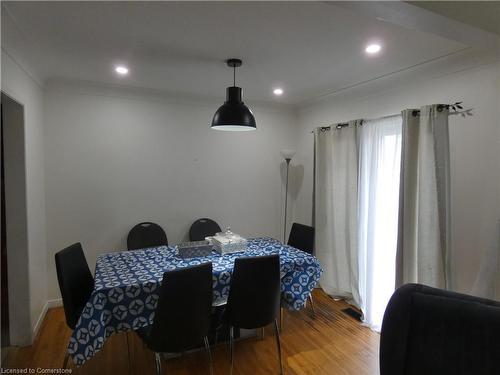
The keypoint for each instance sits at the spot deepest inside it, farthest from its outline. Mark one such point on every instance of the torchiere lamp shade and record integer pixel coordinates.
(233, 115)
(287, 154)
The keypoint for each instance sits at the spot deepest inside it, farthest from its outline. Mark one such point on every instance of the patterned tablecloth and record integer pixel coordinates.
(126, 286)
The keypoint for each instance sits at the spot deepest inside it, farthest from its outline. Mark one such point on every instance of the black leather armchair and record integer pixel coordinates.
(431, 331)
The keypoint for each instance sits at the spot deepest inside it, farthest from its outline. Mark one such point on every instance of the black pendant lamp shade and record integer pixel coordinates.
(233, 115)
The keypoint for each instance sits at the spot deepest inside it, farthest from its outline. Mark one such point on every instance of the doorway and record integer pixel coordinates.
(15, 301)
(5, 283)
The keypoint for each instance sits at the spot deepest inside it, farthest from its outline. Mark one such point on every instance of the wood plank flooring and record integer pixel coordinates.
(330, 344)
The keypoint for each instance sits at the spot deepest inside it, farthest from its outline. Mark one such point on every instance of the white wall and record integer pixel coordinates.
(24, 89)
(115, 157)
(475, 154)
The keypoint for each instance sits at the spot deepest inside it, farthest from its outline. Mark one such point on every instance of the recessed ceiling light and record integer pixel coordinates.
(122, 70)
(373, 48)
(278, 91)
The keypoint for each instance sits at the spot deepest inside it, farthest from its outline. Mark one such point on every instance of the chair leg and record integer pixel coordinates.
(158, 363)
(282, 318)
(262, 333)
(65, 363)
(277, 332)
(210, 362)
(128, 352)
(231, 347)
(310, 298)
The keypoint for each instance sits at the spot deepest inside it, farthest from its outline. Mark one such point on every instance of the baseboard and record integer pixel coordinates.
(54, 303)
(39, 322)
(48, 305)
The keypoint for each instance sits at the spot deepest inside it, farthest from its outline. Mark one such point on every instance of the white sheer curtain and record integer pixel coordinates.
(336, 202)
(378, 199)
(424, 228)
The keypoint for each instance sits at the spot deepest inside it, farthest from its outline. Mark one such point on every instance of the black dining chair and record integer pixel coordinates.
(254, 297)
(202, 228)
(146, 234)
(75, 282)
(302, 237)
(182, 316)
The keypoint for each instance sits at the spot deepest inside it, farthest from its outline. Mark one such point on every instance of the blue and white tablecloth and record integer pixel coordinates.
(126, 286)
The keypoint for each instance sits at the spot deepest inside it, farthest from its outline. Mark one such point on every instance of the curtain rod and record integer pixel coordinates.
(416, 112)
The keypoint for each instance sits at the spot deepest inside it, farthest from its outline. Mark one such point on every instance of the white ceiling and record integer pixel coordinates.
(482, 14)
(307, 48)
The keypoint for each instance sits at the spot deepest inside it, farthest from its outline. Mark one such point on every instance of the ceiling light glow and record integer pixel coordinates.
(122, 70)
(278, 91)
(373, 48)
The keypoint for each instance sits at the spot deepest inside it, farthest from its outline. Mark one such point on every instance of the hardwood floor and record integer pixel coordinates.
(332, 343)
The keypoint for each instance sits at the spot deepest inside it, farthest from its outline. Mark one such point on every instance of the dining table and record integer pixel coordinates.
(126, 286)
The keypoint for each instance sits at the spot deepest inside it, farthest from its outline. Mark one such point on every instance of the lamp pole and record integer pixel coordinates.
(287, 155)
(286, 197)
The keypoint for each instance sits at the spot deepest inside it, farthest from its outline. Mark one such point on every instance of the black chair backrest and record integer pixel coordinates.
(302, 237)
(202, 228)
(75, 281)
(432, 331)
(182, 317)
(145, 235)
(254, 294)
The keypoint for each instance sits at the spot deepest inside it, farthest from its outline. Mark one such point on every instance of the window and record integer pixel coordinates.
(379, 169)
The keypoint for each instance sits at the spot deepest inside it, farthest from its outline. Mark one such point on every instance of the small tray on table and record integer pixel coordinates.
(194, 249)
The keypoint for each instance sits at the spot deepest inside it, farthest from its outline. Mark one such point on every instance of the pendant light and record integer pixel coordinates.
(233, 115)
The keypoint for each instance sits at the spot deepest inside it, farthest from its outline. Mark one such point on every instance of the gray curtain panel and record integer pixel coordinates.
(424, 206)
(336, 207)
(488, 278)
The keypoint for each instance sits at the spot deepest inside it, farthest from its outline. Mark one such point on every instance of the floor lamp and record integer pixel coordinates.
(287, 155)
